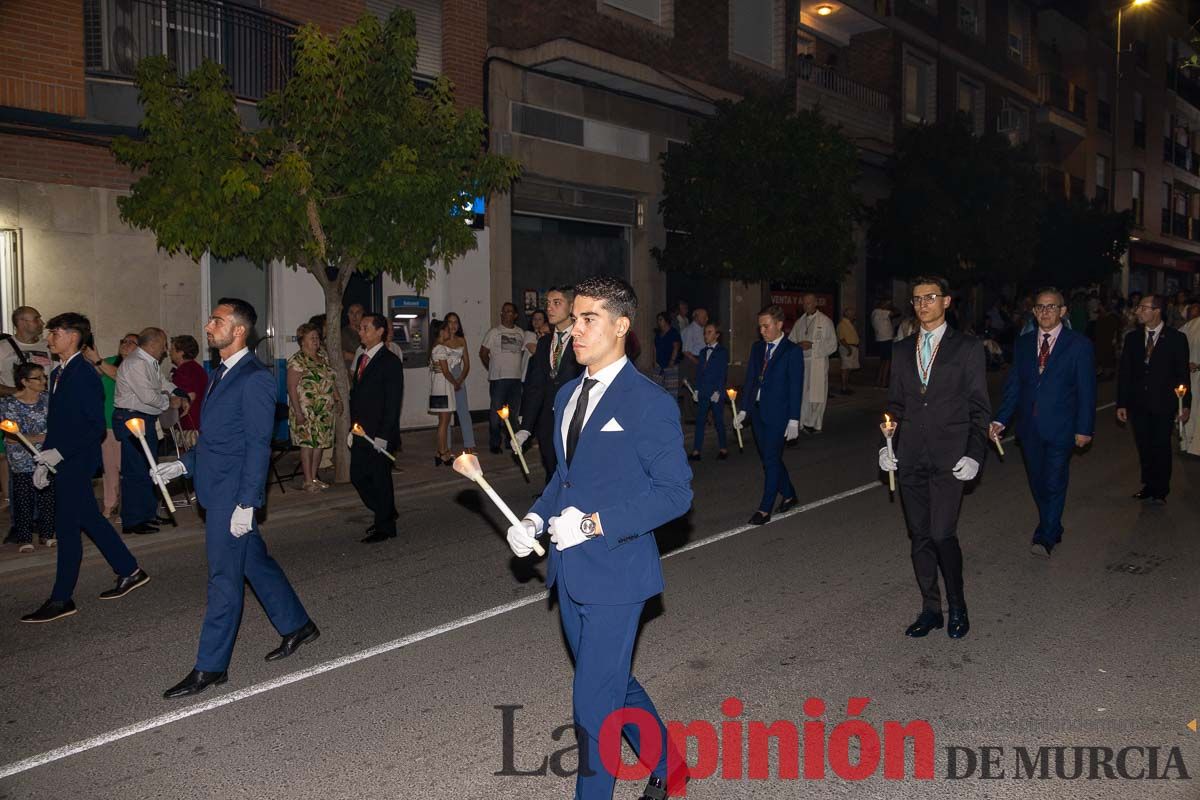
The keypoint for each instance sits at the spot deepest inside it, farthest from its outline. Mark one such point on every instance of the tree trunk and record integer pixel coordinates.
(333, 349)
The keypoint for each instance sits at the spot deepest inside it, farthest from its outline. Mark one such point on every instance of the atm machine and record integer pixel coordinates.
(409, 317)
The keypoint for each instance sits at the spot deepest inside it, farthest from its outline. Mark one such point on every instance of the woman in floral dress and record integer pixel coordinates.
(312, 403)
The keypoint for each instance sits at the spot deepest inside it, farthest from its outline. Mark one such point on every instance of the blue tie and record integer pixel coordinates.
(926, 358)
(216, 378)
(770, 350)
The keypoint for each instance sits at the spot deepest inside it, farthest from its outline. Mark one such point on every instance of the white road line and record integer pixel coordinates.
(84, 745)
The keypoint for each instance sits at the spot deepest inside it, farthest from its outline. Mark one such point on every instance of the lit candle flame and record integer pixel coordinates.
(136, 426)
(731, 392)
(887, 420)
(502, 412)
(9, 426)
(1180, 391)
(357, 430)
(468, 465)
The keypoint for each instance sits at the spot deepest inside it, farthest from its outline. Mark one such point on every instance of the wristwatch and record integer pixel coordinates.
(589, 528)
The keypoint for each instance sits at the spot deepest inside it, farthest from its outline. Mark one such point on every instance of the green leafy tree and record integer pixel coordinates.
(761, 193)
(353, 170)
(962, 206)
(1079, 243)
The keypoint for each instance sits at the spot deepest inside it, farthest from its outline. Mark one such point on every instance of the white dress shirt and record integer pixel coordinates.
(693, 338)
(369, 354)
(141, 386)
(605, 377)
(235, 358)
(1041, 337)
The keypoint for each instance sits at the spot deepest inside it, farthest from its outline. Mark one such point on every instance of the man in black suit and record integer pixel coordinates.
(552, 367)
(376, 391)
(938, 398)
(1153, 362)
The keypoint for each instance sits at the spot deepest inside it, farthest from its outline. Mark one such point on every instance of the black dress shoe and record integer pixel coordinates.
(787, 504)
(760, 518)
(141, 527)
(291, 643)
(164, 521)
(927, 621)
(1143, 495)
(656, 789)
(693, 456)
(722, 455)
(377, 536)
(959, 624)
(495, 451)
(195, 683)
(126, 585)
(51, 610)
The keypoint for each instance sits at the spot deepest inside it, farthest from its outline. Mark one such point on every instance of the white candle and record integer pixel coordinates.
(512, 437)
(732, 393)
(8, 426)
(138, 428)
(467, 465)
(889, 429)
(1180, 391)
(357, 430)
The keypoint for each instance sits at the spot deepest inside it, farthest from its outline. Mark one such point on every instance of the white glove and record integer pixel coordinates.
(737, 419)
(41, 476)
(520, 439)
(167, 471)
(716, 397)
(695, 396)
(564, 529)
(966, 469)
(51, 457)
(887, 462)
(380, 444)
(350, 440)
(242, 521)
(793, 430)
(521, 538)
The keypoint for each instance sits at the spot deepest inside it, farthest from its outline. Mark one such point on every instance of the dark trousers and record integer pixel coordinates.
(371, 474)
(139, 501)
(931, 499)
(233, 560)
(601, 639)
(545, 439)
(1048, 467)
(75, 510)
(1152, 433)
(504, 392)
(769, 441)
(32, 508)
(717, 410)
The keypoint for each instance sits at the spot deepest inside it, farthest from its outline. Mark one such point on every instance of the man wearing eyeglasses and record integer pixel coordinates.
(1051, 389)
(1153, 362)
(938, 398)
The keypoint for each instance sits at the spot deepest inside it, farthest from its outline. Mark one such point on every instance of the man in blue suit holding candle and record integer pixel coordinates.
(230, 464)
(1051, 390)
(712, 367)
(622, 472)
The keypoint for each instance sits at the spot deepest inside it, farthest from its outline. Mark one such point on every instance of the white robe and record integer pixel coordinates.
(1191, 431)
(818, 329)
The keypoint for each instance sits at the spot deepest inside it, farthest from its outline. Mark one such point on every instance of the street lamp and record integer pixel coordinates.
(1116, 128)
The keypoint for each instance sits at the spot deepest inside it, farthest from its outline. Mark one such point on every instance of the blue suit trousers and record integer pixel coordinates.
(601, 639)
(75, 510)
(139, 498)
(232, 561)
(717, 409)
(776, 481)
(1048, 466)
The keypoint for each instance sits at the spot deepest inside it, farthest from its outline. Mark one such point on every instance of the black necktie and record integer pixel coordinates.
(1149, 345)
(216, 378)
(576, 426)
(54, 376)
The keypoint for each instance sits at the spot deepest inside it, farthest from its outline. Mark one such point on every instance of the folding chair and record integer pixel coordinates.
(182, 441)
(280, 448)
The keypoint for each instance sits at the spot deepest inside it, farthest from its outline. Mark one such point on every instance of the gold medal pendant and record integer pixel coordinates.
(923, 388)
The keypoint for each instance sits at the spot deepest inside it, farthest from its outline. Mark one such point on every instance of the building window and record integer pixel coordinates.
(1137, 200)
(1013, 122)
(1019, 27)
(926, 5)
(971, 14)
(1166, 208)
(1102, 180)
(10, 273)
(970, 102)
(1139, 120)
(646, 9)
(756, 31)
(1103, 109)
(920, 89)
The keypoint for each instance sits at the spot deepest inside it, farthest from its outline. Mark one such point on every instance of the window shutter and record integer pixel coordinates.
(930, 77)
(428, 14)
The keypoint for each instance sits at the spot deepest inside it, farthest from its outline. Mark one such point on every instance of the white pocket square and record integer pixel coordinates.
(612, 425)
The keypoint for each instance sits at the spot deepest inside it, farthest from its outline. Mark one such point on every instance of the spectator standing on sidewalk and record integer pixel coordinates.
(458, 341)
(32, 509)
(503, 354)
(848, 343)
(111, 448)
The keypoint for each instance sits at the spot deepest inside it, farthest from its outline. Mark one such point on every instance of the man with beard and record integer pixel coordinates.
(230, 464)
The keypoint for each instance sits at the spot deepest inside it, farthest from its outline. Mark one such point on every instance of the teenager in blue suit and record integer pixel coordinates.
(712, 368)
(622, 472)
(230, 462)
(74, 430)
(1051, 390)
(773, 394)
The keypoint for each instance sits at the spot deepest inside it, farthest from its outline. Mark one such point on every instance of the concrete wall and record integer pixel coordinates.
(79, 256)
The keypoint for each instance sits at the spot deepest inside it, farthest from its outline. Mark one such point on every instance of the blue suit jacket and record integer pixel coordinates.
(782, 384)
(711, 376)
(1061, 401)
(75, 420)
(636, 478)
(230, 460)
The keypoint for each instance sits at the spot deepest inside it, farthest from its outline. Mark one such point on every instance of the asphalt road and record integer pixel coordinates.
(398, 699)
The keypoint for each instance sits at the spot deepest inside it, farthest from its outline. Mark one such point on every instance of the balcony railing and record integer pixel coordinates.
(838, 83)
(1056, 91)
(254, 46)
